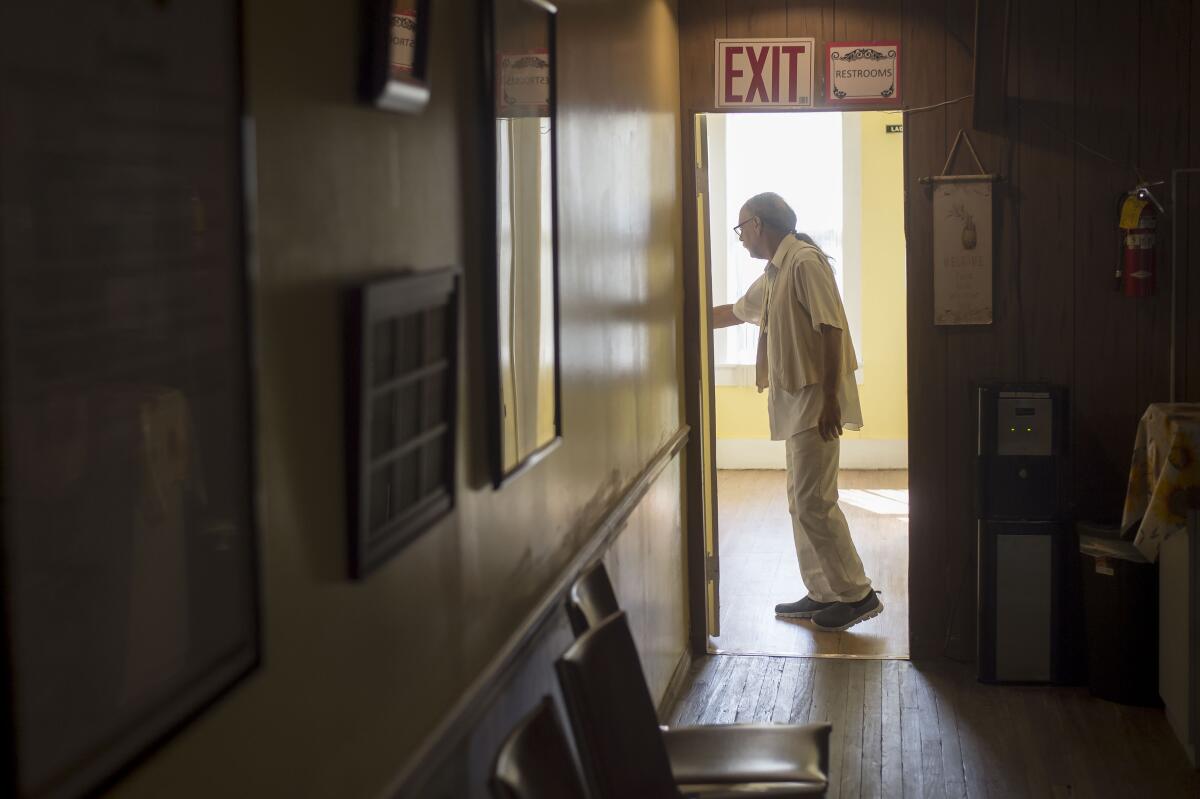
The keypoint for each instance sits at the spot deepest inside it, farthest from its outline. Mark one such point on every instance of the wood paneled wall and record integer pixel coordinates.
(1098, 92)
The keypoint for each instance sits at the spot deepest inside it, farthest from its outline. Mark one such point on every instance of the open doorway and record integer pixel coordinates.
(843, 175)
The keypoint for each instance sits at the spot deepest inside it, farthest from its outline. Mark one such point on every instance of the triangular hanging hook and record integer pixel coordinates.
(945, 178)
(959, 139)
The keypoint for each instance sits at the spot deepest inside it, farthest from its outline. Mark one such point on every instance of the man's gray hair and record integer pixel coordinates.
(773, 211)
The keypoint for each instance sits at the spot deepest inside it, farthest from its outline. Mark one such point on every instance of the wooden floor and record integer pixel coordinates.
(931, 731)
(759, 568)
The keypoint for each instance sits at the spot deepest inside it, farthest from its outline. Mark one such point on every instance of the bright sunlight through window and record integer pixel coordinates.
(804, 157)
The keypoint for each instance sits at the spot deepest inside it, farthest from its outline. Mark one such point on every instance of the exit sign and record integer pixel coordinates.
(764, 73)
(895, 128)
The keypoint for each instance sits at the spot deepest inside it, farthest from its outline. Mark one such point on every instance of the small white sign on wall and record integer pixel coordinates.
(764, 73)
(962, 253)
(863, 72)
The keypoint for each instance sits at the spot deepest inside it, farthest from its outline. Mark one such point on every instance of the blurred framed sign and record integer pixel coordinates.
(523, 84)
(395, 54)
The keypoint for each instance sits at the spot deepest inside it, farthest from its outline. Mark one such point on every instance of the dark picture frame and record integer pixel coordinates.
(129, 559)
(497, 103)
(401, 347)
(395, 54)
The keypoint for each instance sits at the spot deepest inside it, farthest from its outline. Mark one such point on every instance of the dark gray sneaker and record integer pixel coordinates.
(844, 615)
(804, 609)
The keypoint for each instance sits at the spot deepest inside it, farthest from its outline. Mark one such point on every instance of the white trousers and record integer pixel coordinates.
(829, 563)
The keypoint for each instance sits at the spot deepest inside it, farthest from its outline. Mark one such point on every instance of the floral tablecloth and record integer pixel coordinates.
(1164, 479)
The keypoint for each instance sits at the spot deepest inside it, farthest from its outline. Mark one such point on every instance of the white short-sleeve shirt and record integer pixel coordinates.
(788, 413)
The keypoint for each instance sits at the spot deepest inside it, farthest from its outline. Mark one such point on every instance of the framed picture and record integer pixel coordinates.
(401, 339)
(962, 253)
(523, 84)
(521, 278)
(129, 551)
(863, 73)
(395, 69)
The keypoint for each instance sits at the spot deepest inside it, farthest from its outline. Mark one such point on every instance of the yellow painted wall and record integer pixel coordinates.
(742, 411)
(356, 675)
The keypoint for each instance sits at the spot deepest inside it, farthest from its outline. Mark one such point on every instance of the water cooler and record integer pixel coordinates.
(1024, 539)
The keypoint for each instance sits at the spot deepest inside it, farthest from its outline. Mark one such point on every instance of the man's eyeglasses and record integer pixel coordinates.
(738, 227)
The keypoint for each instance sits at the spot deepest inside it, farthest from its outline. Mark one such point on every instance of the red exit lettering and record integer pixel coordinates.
(793, 52)
(730, 74)
(756, 80)
(773, 69)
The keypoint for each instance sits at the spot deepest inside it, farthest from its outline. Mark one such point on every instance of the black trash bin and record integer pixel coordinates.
(1120, 603)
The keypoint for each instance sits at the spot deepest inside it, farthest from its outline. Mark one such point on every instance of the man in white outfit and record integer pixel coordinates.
(806, 361)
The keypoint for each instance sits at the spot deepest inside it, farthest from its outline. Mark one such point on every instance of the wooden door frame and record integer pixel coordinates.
(694, 511)
(693, 385)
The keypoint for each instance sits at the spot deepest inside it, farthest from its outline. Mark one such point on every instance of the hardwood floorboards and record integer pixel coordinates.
(759, 568)
(931, 730)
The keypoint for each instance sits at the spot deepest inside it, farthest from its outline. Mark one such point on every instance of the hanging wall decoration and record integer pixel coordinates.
(863, 72)
(962, 243)
(520, 285)
(400, 345)
(129, 569)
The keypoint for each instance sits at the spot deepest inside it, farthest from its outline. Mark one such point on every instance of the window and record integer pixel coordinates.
(812, 161)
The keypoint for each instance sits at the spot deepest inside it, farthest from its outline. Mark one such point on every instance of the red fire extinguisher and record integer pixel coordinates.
(1139, 221)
